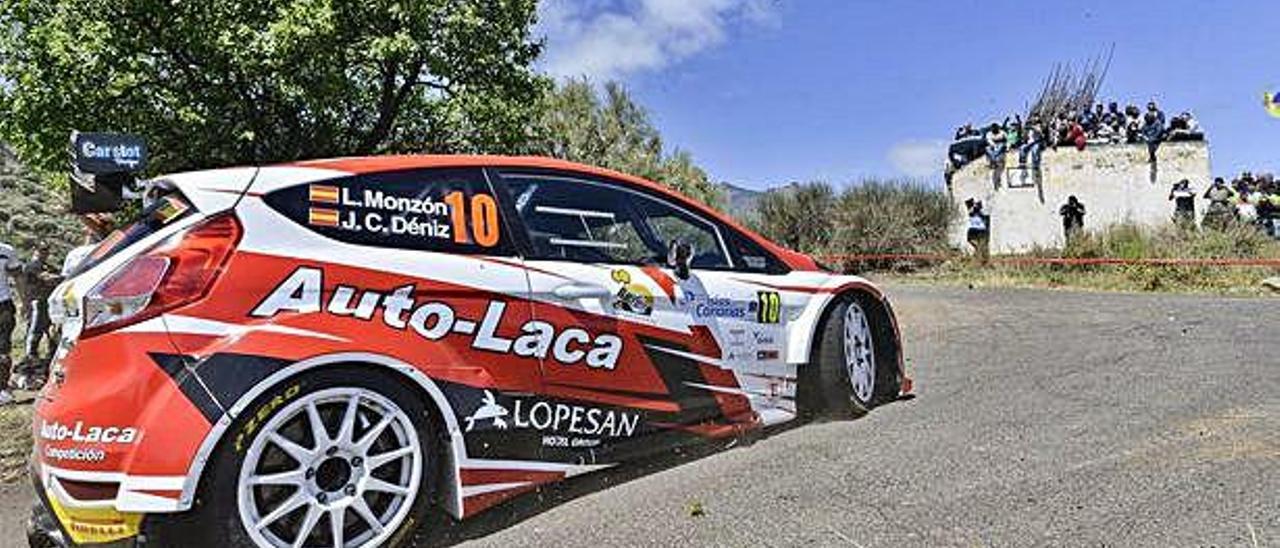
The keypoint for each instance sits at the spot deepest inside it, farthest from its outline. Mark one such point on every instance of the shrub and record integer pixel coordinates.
(871, 218)
(798, 216)
(883, 217)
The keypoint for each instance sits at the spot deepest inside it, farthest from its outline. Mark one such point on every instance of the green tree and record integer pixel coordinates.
(213, 83)
(612, 131)
(798, 216)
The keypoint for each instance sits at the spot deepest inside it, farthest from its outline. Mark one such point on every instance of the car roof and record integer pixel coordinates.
(374, 164)
(377, 164)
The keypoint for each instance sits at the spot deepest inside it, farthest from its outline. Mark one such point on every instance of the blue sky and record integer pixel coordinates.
(764, 92)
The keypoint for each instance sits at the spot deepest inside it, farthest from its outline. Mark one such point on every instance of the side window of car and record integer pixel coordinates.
(751, 257)
(578, 221)
(670, 224)
(589, 221)
(449, 210)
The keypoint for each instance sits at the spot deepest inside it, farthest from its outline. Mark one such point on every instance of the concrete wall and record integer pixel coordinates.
(1115, 183)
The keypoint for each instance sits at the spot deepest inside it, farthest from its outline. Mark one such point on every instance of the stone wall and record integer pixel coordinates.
(1116, 183)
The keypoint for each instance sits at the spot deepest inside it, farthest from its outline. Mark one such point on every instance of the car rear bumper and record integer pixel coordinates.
(43, 530)
(53, 524)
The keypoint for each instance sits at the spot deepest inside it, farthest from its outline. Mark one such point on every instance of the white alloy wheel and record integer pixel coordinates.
(340, 468)
(859, 353)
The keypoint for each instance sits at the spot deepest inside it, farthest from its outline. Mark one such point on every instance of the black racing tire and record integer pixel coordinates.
(826, 389)
(215, 518)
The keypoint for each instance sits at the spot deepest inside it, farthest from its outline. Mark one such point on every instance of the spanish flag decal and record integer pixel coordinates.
(169, 209)
(324, 194)
(320, 216)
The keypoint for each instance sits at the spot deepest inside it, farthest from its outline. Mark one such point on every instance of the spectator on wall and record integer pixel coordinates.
(967, 148)
(1072, 214)
(979, 234)
(997, 143)
(1105, 134)
(1185, 127)
(1032, 145)
(1088, 122)
(1060, 130)
(1155, 111)
(1076, 135)
(1152, 134)
(1184, 204)
(1014, 130)
(1113, 117)
(1132, 125)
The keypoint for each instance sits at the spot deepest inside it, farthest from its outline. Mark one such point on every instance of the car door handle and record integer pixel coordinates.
(578, 290)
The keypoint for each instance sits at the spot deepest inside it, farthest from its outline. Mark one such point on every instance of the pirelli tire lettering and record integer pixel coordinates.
(263, 412)
(301, 292)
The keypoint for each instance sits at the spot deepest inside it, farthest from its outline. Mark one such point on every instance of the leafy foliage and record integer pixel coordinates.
(613, 131)
(250, 81)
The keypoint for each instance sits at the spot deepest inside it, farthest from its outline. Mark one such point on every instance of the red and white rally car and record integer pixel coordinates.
(321, 353)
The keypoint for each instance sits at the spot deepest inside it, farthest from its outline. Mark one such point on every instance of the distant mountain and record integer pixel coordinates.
(739, 201)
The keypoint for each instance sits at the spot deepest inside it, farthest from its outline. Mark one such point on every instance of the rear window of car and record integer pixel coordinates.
(450, 210)
(164, 211)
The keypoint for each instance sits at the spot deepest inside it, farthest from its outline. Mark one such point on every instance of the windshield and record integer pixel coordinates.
(163, 212)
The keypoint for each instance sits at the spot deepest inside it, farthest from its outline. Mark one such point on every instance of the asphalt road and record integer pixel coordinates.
(1041, 419)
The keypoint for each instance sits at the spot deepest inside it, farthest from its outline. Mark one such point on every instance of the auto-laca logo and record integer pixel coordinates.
(82, 433)
(434, 320)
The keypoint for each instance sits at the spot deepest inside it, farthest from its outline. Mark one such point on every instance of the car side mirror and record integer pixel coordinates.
(680, 258)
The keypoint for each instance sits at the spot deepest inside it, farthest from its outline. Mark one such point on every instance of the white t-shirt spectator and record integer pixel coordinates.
(1246, 210)
(8, 260)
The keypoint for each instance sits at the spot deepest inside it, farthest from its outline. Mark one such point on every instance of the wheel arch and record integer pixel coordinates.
(827, 305)
(450, 485)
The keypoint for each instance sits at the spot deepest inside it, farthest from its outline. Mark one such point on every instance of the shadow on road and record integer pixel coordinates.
(442, 530)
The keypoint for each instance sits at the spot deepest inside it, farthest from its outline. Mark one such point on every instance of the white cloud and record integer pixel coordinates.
(610, 40)
(918, 158)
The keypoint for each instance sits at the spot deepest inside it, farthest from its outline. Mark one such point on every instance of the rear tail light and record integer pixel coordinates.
(176, 272)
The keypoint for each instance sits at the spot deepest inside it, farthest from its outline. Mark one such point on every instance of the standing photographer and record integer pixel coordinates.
(36, 283)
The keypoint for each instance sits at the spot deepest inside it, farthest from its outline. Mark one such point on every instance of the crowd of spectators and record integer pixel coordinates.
(1248, 199)
(1094, 125)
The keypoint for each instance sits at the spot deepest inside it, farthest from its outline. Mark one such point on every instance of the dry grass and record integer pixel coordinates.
(1230, 281)
(1129, 242)
(15, 442)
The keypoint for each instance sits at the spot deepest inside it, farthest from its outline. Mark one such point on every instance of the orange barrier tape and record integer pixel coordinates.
(1058, 260)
